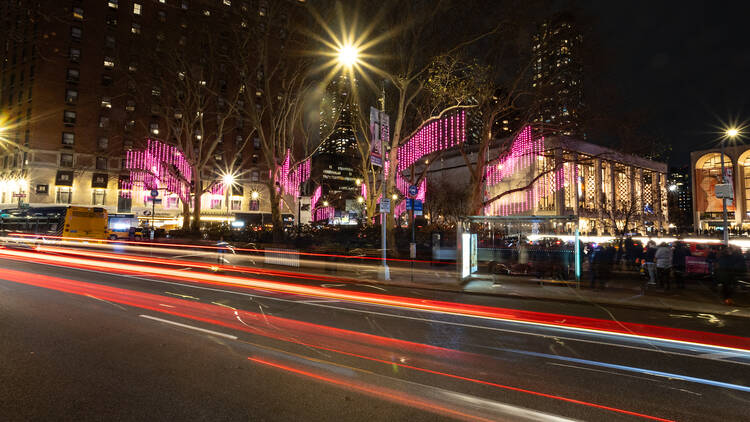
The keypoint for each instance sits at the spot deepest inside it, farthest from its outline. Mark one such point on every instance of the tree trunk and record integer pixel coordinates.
(278, 224)
(198, 190)
(185, 215)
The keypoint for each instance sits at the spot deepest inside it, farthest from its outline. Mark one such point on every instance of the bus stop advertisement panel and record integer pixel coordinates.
(469, 252)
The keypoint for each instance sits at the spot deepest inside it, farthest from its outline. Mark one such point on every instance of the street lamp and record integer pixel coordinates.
(325, 203)
(348, 55)
(394, 197)
(673, 188)
(360, 199)
(254, 195)
(358, 182)
(730, 133)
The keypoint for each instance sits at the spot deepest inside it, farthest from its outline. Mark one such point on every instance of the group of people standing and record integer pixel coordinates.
(666, 263)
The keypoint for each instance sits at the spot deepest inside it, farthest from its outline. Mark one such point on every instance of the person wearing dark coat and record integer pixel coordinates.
(678, 263)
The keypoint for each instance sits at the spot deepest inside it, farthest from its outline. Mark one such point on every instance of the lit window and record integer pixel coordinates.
(66, 160)
(63, 194)
(68, 139)
(206, 12)
(73, 75)
(162, 16)
(112, 4)
(136, 8)
(154, 128)
(109, 63)
(130, 106)
(103, 121)
(103, 143)
(97, 197)
(255, 176)
(71, 96)
(136, 28)
(74, 54)
(69, 117)
(184, 4)
(227, 2)
(155, 91)
(76, 33)
(106, 102)
(77, 13)
(132, 67)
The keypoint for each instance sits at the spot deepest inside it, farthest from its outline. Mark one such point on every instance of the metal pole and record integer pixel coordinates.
(383, 216)
(724, 200)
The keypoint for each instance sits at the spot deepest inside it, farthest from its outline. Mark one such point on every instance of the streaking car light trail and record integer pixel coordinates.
(625, 329)
(208, 313)
(212, 248)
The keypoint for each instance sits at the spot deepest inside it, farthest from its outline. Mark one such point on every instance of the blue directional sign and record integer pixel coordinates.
(154, 193)
(409, 204)
(418, 205)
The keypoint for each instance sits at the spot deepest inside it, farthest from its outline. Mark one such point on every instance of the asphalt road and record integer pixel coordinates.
(91, 345)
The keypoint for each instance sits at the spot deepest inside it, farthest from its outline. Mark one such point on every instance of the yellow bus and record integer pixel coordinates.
(65, 222)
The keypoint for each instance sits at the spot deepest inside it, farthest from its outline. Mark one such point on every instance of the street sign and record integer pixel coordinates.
(413, 190)
(19, 195)
(409, 204)
(154, 193)
(157, 200)
(385, 205)
(418, 205)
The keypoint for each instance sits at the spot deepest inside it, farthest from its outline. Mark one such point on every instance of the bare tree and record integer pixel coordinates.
(274, 68)
(195, 104)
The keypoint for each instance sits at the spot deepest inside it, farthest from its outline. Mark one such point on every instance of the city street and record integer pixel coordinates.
(85, 344)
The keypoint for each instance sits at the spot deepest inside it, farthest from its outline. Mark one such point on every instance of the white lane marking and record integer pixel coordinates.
(106, 301)
(203, 330)
(601, 370)
(709, 356)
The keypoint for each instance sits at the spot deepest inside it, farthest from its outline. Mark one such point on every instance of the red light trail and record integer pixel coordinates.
(503, 314)
(301, 333)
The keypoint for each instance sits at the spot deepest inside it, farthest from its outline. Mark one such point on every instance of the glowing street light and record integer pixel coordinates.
(360, 199)
(394, 197)
(358, 182)
(673, 188)
(325, 203)
(732, 132)
(254, 195)
(228, 179)
(348, 55)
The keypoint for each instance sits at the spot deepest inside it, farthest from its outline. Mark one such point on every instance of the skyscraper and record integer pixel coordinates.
(336, 161)
(558, 75)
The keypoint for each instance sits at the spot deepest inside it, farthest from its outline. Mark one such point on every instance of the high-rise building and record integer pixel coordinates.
(557, 75)
(681, 198)
(336, 162)
(72, 76)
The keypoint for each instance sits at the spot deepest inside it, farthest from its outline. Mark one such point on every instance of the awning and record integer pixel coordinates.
(99, 180)
(64, 178)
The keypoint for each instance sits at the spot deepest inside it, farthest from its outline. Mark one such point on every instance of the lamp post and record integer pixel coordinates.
(730, 133)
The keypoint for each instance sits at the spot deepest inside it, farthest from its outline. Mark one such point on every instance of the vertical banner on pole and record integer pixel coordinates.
(376, 146)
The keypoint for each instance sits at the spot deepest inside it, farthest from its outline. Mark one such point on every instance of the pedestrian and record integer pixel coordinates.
(663, 258)
(730, 266)
(650, 263)
(678, 263)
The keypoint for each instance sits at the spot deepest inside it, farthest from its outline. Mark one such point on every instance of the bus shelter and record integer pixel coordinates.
(494, 240)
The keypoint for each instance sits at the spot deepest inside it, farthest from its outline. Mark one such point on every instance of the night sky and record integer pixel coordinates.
(688, 62)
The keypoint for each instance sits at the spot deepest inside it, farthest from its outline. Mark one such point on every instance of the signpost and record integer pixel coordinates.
(413, 190)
